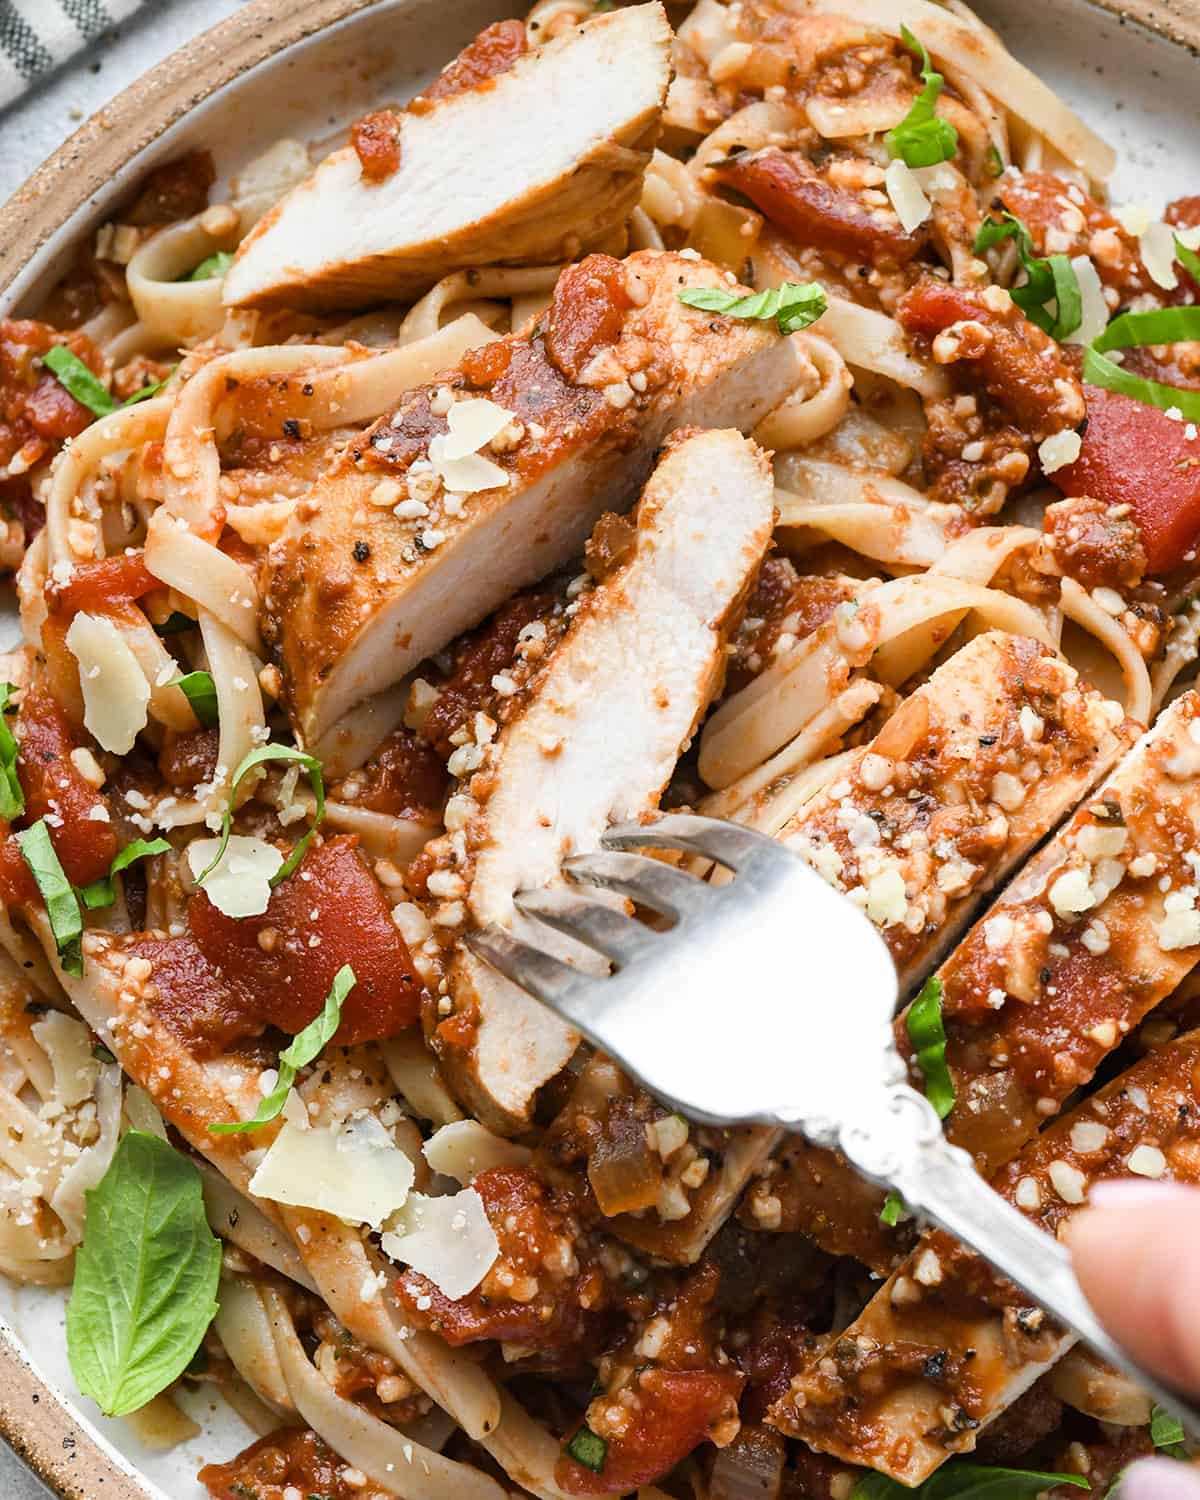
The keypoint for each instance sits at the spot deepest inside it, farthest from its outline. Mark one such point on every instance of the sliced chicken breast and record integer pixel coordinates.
(402, 545)
(944, 1347)
(593, 742)
(521, 168)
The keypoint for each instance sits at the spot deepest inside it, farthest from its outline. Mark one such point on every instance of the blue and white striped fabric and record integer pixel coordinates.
(38, 36)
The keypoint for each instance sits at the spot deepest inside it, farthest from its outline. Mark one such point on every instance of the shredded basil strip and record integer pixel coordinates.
(146, 392)
(62, 907)
(146, 1276)
(894, 1210)
(793, 305)
(995, 162)
(1188, 259)
(928, 1036)
(257, 758)
(589, 1449)
(1048, 280)
(966, 1481)
(201, 692)
(1166, 1433)
(75, 377)
(12, 798)
(306, 1047)
(1164, 325)
(923, 138)
(103, 892)
(212, 266)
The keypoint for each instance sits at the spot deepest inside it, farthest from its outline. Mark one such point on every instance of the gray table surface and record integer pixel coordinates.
(29, 131)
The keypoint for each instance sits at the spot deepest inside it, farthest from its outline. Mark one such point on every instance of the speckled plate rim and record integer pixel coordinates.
(36, 1417)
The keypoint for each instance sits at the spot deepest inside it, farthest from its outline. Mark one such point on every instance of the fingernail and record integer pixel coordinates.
(1160, 1479)
(1128, 1192)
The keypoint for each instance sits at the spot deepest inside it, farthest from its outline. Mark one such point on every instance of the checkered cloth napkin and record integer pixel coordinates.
(37, 36)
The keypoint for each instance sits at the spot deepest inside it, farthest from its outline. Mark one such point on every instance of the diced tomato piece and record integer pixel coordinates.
(587, 314)
(672, 1413)
(1136, 455)
(292, 1461)
(494, 51)
(193, 998)
(404, 778)
(330, 912)
(376, 140)
(109, 585)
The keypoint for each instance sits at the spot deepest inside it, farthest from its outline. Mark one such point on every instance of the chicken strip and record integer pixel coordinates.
(404, 544)
(514, 167)
(593, 740)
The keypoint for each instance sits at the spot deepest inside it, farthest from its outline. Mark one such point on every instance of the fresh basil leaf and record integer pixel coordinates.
(201, 692)
(965, 1481)
(928, 1036)
(257, 758)
(589, 1449)
(103, 892)
(145, 1277)
(923, 138)
(12, 798)
(1164, 325)
(793, 305)
(62, 907)
(1166, 1432)
(145, 393)
(1188, 259)
(175, 624)
(1048, 279)
(995, 162)
(75, 378)
(306, 1047)
(894, 1210)
(212, 266)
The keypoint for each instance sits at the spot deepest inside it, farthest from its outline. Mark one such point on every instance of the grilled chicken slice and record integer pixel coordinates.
(385, 561)
(943, 1348)
(591, 741)
(519, 169)
(1091, 935)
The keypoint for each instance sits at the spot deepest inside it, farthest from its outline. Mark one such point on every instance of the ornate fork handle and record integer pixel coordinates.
(904, 1148)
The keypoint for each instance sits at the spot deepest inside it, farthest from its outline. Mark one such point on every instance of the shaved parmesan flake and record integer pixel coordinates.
(115, 690)
(1157, 244)
(465, 476)
(1189, 237)
(1059, 450)
(240, 886)
(356, 1173)
(67, 1044)
(1134, 218)
(449, 1240)
(465, 1148)
(907, 196)
(473, 424)
(1093, 311)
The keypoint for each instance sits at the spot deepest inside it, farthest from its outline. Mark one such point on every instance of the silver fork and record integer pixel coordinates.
(709, 1016)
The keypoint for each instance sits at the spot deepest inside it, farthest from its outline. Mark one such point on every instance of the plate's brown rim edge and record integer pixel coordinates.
(39, 1428)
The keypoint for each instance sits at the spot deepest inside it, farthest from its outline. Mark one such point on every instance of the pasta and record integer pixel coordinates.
(343, 622)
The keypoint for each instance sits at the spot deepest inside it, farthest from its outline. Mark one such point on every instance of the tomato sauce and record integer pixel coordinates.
(176, 190)
(587, 314)
(37, 413)
(493, 52)
(109, 585)
(276, 1467)
(376, 139)
(405, 778)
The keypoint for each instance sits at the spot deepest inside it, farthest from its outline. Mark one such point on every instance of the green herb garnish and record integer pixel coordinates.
(793, 305)
(923, 138)
(1165, 325)
(258, 757)
(12, 798)
(1188, 259)
(995, 162)
(589, 1449)
(101, 1053)
(1049, 280)
(1166, 1433)
(894, 1210)
(145, 1277)
(212, 266)
(964, 1481)
(928, 1036)
(201, 692)
(306, 1047)
(103, 892)
(75, 377)
(62, 907)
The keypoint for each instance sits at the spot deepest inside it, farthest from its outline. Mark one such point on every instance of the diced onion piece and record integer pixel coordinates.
(1093, 308)
(115, 690)
(66, 1043)
(240, 885)
(907, 196)
(449, 1240)
(465, 1148)
(1059, 450)
(473, 424)
(465, 476)
(356, 1173)
(1157, 245)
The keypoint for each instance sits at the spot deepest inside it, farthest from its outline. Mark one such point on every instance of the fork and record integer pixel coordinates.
(700, 1016)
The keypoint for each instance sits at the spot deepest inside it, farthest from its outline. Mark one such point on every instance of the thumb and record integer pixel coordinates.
(1134, 1250)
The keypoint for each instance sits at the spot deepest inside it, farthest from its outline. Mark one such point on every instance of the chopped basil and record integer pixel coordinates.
(257, 758)
(1188, 259)
(1166, 1433)
(75, 377)
(12, 798)
(145, 1277)
(103, 892)
(62, 907)
(589, 1449)
(201, 692)
(306, 1047)
(793, 305)
(894, 1210)
(1165, 325)
(1049, 281)
(923, 138)
(212, 266)
(101, 1053)
(146, 392)
(928, 1036)
(966, 1481)
(175, 624)
(995, 162)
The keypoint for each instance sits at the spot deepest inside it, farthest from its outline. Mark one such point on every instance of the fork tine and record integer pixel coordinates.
(647, 881)
(601, 926)
(713, 838)
(546, 978)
